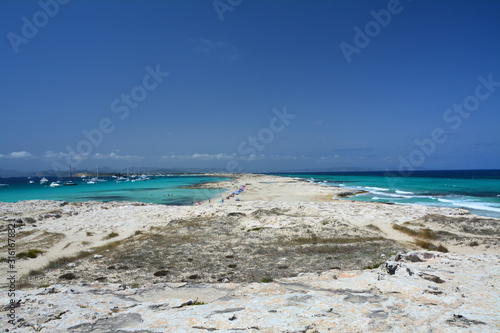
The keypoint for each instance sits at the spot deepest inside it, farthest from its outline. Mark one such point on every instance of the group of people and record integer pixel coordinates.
(239, 189)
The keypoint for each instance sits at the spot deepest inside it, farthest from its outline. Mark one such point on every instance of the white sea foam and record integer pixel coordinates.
(403, 192)
(461, 202)
(377, 188)
(393, 195)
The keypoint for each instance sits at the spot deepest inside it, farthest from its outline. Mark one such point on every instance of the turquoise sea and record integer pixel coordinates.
(475, 190)
(161, 190)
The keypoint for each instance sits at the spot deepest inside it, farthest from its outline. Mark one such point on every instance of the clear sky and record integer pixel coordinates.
(250, 85)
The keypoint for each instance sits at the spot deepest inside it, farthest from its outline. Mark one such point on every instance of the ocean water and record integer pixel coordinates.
(162, 190)
(475, 190)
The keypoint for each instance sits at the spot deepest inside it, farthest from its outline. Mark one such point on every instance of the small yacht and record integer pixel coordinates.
(70, 182)
(55, 184)
(44, 181)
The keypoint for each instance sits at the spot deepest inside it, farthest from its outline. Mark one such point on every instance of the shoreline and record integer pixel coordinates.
(280, 229)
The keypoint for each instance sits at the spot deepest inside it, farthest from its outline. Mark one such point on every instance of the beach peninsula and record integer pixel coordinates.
(282, 255)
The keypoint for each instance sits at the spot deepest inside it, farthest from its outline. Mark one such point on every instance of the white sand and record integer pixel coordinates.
(262, 192)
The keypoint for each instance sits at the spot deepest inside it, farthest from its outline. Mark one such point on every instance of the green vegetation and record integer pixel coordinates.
(236, 214)
(191, 303)
(31, 253)
(266, 279)
(111, 235)
(35, 272)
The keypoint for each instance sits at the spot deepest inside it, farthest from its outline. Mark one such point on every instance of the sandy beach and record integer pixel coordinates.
(283, 258)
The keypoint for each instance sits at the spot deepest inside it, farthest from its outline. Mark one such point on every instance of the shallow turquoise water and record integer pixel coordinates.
(477, 191)
(162, 190)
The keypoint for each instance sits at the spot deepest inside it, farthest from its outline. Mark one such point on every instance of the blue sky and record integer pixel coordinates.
(250, 85)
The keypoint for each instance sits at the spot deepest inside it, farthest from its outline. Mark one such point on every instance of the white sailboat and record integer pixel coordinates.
(44, 181)
(96, 179)
(70, 182)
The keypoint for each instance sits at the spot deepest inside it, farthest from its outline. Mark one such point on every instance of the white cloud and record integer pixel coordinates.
(221, 156)
(51, 155)
(199, 156)
(17, 154)
(115, 156)
(280, 157)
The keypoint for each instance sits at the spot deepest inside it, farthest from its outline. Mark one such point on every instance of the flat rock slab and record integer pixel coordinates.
(466, 299)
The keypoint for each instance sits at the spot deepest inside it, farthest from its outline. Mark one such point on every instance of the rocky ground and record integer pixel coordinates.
(416, 292)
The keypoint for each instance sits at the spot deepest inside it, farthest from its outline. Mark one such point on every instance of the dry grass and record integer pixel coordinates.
(374, 228)
(430, 246)
(111, 235)
(63, 261)
(374, 265)
(212, 249)
(319, 240)
(422, 237)
(422, 233)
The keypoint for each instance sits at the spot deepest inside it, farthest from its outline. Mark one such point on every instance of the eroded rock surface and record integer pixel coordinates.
(437, 293)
